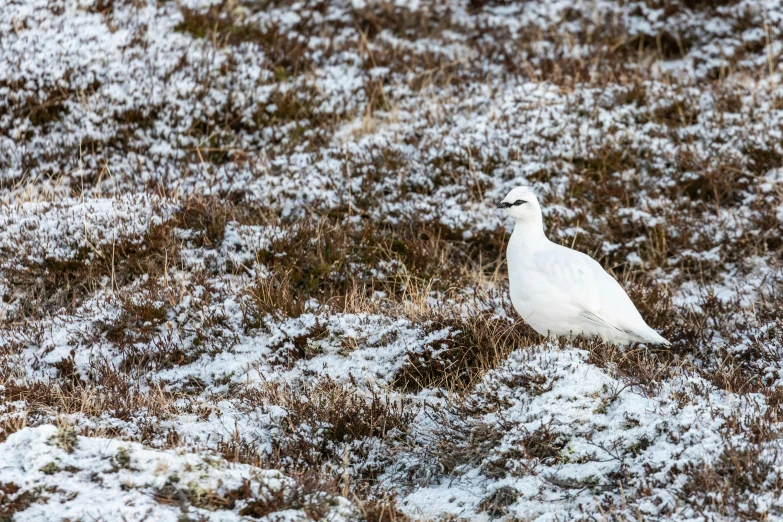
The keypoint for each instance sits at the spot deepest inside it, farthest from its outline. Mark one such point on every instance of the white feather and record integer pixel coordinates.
(559, 291)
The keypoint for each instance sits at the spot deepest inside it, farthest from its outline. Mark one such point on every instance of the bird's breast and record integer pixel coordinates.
(521, 287)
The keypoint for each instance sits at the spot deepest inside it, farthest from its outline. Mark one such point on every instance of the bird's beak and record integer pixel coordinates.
(504, 204)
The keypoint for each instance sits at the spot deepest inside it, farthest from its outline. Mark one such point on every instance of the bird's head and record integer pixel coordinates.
(522, 205)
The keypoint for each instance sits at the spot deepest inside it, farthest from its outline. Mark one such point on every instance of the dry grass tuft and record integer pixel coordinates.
(12, 502)
(337, 264)
(725, 488)
(475, 344)
(223, 24)
(322, 418)
(104, 389)
(44, 288)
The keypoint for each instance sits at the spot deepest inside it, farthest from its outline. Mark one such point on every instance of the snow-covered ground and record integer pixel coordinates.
(251, 265)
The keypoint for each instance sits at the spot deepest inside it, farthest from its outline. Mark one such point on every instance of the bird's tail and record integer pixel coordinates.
(651, 336)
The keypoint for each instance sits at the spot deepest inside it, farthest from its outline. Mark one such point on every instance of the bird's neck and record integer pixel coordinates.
(529, 233)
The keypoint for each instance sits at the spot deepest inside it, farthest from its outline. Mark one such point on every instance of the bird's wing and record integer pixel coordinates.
(582, 283)
(570, 275)
(597, 320)
(579, 287)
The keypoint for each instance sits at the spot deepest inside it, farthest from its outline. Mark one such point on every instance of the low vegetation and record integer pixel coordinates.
(250, 259)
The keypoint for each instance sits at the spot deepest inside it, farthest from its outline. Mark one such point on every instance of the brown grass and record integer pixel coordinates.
(104, 390)
(319, 261)
(42, 288)
(475, 344)
(286, 55)
(12, 501)
(724, 488)
(321, 419)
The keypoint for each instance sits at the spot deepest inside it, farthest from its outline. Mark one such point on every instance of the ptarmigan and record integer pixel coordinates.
(559, 291)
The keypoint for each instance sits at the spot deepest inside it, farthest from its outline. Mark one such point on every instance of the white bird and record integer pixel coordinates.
(559, 291)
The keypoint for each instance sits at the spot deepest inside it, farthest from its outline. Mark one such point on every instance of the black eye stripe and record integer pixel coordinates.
(506, 204)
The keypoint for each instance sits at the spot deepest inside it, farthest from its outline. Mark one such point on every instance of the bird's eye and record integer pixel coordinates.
(519, 202)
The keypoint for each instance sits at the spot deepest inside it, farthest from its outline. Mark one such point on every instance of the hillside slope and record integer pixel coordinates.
(251, 265)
